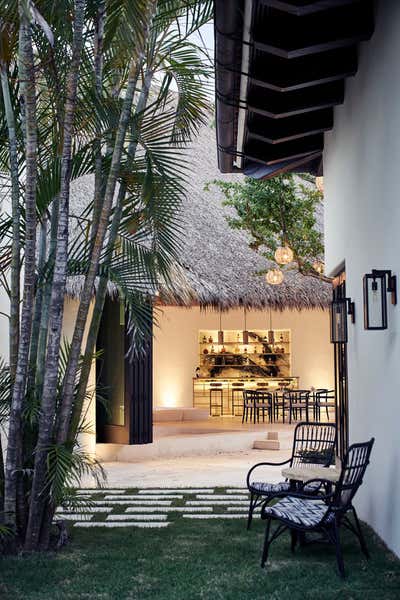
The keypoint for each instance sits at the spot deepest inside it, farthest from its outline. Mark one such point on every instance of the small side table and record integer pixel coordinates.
(305, 474)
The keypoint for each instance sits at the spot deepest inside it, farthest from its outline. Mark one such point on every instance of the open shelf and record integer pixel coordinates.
(271, 359)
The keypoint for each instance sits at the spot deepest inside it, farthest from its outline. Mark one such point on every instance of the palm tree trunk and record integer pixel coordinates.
(45, 435)
(15, 425)
(44, 321)
(98, 239)
(102, 287)
(1, 481)
(16, 247)
(98, 73)
(15, 250)
(98, 242)
(33, 354)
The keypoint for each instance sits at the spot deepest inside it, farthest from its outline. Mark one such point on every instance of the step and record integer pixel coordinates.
(272, 435)
(266, 445)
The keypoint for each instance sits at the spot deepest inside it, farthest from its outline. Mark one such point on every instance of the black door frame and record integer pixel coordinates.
(341, 377)
(138, 398)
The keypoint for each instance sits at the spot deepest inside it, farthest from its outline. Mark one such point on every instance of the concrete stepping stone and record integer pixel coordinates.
(177, 491)
(215, 502)
(133, 517)
(73, 517)
(98, 491)
(237, 491)
(266, 445)
(155, 524)
(163, 509)
(87, 509)
(219, 516)
(242, 508)
(143, 497)
(141, 502)
(219, 497)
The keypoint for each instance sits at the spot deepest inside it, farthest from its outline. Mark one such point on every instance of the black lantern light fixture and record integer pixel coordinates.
(340, 308)
(377, 285)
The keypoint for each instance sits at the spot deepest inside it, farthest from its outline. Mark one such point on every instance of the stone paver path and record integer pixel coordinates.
(147, 508)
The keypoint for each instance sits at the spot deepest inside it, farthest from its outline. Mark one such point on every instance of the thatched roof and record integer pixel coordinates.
(217, 267)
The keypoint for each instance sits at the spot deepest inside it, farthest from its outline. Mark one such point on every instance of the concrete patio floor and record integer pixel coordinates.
(191, 471)
(216, 452)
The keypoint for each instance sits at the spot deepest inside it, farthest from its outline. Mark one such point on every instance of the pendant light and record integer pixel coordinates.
(220, 332)
(245, 332)
(274, 276)
(283, 255)
(271, 335)
(318, 266)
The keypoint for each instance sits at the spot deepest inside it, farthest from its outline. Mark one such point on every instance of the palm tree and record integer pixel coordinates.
(115, 63)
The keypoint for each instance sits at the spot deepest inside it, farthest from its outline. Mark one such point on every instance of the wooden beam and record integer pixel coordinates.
(290, 37)
(279, 106)
(272, 153)
(277, 131)
(301, 8)
(276, 73)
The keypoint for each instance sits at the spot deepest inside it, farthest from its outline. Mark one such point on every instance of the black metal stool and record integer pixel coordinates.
(237, 388)
(216, 388)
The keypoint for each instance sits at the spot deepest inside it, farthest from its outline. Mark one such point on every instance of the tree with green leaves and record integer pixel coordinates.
(285, 210)
(115, 89)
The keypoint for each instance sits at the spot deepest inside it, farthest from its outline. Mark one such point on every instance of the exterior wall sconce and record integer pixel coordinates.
(377, 285)
(340, 308)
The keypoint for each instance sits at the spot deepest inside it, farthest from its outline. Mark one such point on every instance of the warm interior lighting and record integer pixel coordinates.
(274, 276)
(283, 255)
(318, 266)
(319, 182)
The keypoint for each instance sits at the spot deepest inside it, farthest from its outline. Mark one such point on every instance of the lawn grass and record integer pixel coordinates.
(211, 559)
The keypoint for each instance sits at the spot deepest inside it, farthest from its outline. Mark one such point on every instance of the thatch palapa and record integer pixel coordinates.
(216, 266)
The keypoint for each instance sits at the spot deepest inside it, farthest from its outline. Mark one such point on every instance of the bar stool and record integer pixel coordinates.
(215, 390)
(237, 388)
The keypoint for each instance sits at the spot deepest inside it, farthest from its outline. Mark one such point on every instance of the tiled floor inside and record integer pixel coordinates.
(149, 508)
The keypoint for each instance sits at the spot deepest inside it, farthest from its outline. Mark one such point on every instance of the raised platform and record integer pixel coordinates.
(218, 435)
(162, 415)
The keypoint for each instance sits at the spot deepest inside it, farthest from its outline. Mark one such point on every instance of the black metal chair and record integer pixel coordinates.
(324, 398)
(324, 514)
(281, 404)
(313, 444)
(298, 401)
(263, 403)
(249, 401)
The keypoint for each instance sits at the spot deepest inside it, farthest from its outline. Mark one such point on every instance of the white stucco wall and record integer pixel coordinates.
(362, 220)
(176, 350)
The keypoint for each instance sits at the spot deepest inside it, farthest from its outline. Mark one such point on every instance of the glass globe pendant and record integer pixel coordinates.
(319, 182)
(318, 266)
(283, 255)
(274, 276)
